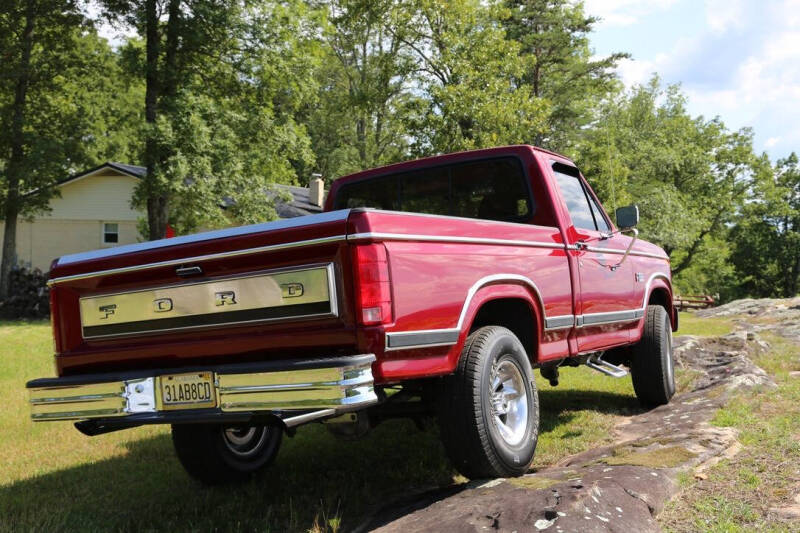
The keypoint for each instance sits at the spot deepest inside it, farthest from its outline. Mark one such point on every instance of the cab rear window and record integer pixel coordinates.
(491, 189)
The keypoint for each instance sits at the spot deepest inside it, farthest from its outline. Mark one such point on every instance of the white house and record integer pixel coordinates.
(94, 211)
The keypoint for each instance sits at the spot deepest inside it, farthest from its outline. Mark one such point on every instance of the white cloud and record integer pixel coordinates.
(722, 15)
(620, 13)
(743, 65)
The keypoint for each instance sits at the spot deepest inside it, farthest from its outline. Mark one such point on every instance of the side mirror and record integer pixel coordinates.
(627, 217)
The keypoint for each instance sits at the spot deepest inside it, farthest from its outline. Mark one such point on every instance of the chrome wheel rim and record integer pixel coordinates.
(509, 402)
(244, 441)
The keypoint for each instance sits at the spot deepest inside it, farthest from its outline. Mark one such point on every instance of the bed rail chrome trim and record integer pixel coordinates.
(298, 222)
(198, 258)
(454, 239)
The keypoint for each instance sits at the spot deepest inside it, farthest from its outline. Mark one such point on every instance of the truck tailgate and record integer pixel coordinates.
(256, 292)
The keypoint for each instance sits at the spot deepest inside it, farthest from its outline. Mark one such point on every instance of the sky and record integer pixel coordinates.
(736, 59)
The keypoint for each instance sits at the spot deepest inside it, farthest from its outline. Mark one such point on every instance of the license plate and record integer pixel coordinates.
(193, 390)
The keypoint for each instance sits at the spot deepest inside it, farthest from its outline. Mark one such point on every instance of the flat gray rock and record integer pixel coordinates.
(616, 488)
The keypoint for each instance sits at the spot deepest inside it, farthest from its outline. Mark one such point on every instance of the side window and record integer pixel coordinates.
(577, 202)
(602, 225)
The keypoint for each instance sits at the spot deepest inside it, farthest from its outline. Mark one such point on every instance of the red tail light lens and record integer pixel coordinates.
(373, 287)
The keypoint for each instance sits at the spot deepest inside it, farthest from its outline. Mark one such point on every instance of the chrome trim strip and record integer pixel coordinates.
(198, 258)
(405, 340)
(453, 239)
(559, 322)
(610, 317)
(331, 216)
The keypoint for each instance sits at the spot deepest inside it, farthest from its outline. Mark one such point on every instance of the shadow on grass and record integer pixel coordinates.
(316, 478)
(558, 406)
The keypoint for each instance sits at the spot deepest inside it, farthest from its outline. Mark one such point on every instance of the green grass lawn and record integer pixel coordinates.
(689, 324)
(54, 478)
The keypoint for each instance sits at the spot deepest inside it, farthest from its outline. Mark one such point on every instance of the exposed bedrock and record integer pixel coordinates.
(620, 487)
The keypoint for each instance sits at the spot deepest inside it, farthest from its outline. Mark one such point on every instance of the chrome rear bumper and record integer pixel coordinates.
(295, 391)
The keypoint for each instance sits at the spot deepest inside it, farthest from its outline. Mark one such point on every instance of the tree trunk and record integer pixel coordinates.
(15, 162)
(156, 202)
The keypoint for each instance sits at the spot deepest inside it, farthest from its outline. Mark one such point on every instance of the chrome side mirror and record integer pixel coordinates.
(627, 217)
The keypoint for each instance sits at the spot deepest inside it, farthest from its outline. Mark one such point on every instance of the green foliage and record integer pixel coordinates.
(690, 177)
(766, 240)
(63, 107)
(553, 36)
(469, 76)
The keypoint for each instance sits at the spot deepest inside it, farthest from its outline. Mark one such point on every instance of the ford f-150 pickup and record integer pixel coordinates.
(430, 287)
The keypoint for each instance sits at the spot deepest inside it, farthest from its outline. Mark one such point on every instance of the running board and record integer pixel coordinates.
(596, 363)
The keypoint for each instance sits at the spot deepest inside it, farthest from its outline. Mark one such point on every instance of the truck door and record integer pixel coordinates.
(604, 311)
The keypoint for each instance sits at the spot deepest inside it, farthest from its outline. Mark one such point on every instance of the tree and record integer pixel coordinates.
(56, 109)
(553, 34)
(359, 119)
(766, 241)
(690, 176)
(469, 76)
(212, 70)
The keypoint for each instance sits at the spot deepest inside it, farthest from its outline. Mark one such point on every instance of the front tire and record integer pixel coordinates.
(652, 366)
(489, 408)
(217, 455)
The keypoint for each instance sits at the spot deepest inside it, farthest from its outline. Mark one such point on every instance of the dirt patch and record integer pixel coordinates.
(619, 487)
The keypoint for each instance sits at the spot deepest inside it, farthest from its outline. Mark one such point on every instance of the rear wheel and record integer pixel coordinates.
(225, 454)
(652, 366)
(489, 408)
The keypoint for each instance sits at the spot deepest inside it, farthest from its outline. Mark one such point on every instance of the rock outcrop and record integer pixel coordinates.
(780, 316)
(614, 488)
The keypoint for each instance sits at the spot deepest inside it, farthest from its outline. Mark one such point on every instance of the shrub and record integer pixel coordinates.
(30, 296)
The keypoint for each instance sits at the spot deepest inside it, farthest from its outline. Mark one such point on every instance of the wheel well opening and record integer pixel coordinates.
(660, 296)
(514, 314)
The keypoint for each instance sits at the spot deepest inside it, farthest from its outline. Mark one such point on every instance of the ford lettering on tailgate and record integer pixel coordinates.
(264, 296)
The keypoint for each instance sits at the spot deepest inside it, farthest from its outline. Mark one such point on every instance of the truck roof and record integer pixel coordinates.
(445, 158)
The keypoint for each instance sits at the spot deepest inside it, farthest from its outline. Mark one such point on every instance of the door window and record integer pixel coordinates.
(575, 196)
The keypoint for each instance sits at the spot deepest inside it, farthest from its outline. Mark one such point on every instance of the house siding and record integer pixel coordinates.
(75, 222)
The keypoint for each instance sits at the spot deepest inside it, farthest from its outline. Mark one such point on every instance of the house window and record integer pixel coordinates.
(110, 233)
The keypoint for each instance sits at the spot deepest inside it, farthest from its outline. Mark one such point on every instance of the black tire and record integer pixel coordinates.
(472, 428)
(652, 366)
(217, 455)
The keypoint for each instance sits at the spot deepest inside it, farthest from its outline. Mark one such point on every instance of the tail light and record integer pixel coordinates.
(373, 287)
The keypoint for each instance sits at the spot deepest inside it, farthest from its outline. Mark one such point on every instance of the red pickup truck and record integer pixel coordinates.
(431, 287)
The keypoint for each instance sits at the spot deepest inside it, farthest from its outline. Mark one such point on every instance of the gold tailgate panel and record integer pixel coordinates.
(260, 297)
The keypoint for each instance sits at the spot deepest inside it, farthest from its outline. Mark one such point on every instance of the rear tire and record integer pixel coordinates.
(217, 455)
(652, 366)
(489, 408)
